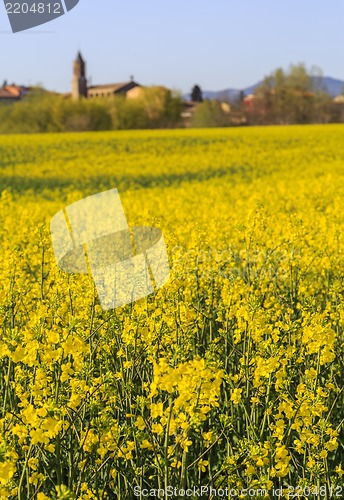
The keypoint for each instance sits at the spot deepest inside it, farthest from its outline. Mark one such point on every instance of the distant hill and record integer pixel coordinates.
(333, 86)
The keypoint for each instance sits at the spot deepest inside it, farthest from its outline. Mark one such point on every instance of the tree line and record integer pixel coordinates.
(156, 107)
(293, 96)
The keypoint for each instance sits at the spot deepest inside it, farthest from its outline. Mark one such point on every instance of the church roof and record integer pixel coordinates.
(115, 87)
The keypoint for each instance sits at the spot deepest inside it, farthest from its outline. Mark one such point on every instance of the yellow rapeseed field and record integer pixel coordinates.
(230, 376)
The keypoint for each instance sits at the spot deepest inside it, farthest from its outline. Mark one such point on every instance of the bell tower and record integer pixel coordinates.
(79, 86)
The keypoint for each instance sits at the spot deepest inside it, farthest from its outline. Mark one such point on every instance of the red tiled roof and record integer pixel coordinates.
(14, 90)
(5, 94)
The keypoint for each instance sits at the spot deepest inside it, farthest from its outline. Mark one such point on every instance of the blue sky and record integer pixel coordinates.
(218, 44)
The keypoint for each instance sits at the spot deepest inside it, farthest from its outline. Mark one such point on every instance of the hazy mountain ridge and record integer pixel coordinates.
(333, 86)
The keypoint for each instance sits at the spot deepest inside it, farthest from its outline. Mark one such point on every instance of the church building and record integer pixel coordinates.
(130, 89)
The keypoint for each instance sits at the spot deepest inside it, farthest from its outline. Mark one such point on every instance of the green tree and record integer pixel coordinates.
(209, 114)
(40, 111)
(196, 94)
(293, 96)
(162, 106)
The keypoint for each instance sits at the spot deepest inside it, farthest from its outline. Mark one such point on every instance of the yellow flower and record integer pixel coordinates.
(157, 410)
(202, 465)
(7, 470)
(157, 429)
(32, 463)
(140, 423)
(332, 444)
(53, 337)
(42, 412)
(250, 469)
(42, 496)
(146, 444)
(90, 440)
(311, 373)
(236, 396)
(339, 470)
(39, 436)
(176, 464)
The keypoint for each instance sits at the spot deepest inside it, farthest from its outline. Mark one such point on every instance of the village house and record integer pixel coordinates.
(10, 93)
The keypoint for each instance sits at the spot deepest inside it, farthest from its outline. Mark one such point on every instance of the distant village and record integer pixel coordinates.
(253, 108)
(130, 89)
(80, 89)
